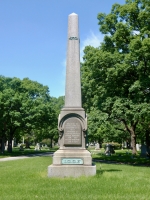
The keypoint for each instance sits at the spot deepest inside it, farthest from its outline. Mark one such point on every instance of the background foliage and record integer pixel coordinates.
(116, 76)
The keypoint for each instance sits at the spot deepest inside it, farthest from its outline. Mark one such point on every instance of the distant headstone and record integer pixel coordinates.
(6, 146)
(72, 158)
(128, 145)
(143, 150)
(37, 147)
(125, 144)
(109, 150)
(97, 146)
(137, 147)
(12, 143)
(21, 148)
(122, 145)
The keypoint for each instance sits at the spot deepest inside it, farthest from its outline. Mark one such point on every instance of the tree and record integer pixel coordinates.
(24, 105)
(58, 103)
(50, 130)
(116, 76)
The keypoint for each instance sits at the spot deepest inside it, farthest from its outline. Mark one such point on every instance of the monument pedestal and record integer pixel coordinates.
(71, 163)
(72, 159)
(71, 171)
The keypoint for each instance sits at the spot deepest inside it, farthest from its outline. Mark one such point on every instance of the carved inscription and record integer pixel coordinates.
(73, 38)
(72, 161)
(72, 132)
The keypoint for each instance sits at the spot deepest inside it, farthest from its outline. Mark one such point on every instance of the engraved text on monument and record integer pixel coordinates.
(72, 132)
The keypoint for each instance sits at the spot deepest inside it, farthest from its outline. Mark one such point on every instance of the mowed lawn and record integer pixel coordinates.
(27, 180)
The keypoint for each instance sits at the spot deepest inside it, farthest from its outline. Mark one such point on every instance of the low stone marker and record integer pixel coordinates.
(137, 147)
(109, 150)
(144, 152)
(97, 146)
(21, 148)
(37, 147)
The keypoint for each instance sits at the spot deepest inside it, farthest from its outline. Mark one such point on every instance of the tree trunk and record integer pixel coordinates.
(51, 144)
(10, 145)
(0, 145)
(131, 130)
(3, 145)
(100, 142)
(133, 142)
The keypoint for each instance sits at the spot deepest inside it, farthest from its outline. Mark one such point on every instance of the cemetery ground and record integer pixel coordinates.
(27, 179)
(121, 157)
(17, 152)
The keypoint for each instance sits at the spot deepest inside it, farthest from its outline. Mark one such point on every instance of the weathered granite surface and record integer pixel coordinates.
(72, 158)
(73, 85)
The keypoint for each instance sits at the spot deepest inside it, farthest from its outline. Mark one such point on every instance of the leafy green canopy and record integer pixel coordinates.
(116, 76)
(25, 105)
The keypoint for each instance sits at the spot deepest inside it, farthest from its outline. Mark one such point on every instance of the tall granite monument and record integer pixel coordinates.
(72, 158)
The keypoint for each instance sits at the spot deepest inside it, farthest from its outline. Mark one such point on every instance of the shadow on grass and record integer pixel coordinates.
(122, 157)
(140, 163)
(43, 154)
(101, 171)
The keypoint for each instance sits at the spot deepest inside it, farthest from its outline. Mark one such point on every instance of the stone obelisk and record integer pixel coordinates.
(72, 158)
(73, 85)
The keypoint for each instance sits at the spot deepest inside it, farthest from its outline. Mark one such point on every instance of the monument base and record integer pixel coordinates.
(71, 170)
(71, 163)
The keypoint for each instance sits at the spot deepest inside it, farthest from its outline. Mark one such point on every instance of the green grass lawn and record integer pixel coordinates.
(27, 180)
(120, 156)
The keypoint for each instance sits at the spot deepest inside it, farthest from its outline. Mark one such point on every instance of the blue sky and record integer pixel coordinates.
(33, 37)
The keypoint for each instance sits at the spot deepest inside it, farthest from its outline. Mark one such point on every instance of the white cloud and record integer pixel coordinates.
(92, 40)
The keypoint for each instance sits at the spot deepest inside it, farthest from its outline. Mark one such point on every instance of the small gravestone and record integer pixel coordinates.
(143, 150)
(112, 149)
(6, 148)
(37, 147)
(97, 146)
(137, 147)
(21, 147)
(109, 150)
(125, 144)
(122, 145)
(128, 145)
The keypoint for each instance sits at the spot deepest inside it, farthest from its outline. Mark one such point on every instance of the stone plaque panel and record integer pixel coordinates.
(72, 132)
(72, 161)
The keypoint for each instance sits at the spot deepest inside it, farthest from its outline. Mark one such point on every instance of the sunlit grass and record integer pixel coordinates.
(27, 179)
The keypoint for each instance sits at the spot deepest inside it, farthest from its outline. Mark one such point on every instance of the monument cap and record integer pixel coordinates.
(73, 14)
